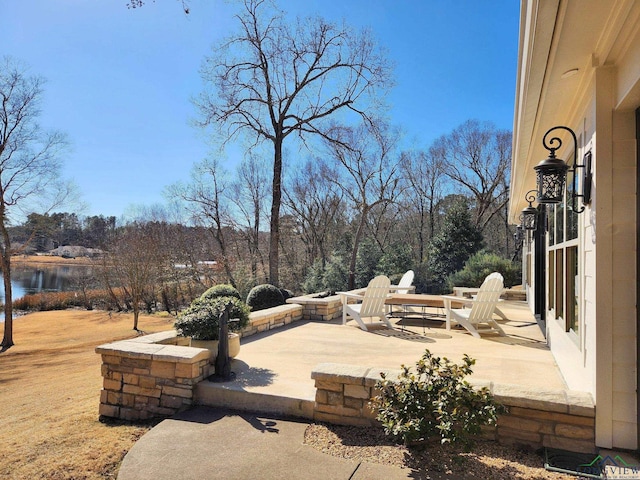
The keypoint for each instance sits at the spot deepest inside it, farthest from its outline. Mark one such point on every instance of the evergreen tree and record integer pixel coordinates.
(458, 239)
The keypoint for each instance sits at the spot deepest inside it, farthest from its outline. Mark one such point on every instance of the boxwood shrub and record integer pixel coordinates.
(264, 296)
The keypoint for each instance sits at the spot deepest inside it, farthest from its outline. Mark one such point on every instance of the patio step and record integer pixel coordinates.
(215, 394)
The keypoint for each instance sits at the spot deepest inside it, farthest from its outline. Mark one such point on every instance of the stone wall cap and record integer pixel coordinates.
(179, 354)
(154, 351)
(340, 372)
(129, 349)
(561, 401)
(373, 375)
(479, 384)
(275, 310)
(154, 337)
(310, 300)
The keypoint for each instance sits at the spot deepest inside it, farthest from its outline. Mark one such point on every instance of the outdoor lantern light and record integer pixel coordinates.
(552, 173)
(529, 215)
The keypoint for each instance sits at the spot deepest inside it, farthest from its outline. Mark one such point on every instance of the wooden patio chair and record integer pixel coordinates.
(479, 318)
(371, 306)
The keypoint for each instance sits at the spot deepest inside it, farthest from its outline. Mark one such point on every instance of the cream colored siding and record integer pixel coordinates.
(624, 275)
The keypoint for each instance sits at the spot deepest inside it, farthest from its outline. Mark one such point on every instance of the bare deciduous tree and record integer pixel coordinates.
(274, 79)
(30, 163)
(366, 172)
(317, 203)
(137, 259)
(423, 171)
(140, 3)
(249, 193)
(478, 159)
(205, 200)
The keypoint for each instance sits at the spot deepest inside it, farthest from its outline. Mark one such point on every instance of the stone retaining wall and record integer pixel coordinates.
(319, 309)
(270, 318)
(155, 375)
(556, 419)
(150, 376)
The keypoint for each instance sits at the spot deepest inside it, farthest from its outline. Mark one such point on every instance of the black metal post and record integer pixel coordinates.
(223, 363)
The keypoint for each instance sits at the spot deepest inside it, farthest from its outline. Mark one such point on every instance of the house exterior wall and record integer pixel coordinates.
(623, 329)
(599, 106)
(602, 360)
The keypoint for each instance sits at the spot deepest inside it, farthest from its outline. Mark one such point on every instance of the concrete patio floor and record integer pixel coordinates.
(279, 363)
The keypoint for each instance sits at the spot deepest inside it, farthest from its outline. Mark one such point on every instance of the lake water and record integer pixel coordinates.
(28, 280)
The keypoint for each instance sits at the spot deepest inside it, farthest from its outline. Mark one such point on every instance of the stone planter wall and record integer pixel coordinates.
(319, 309)
(155, 375)
(150, 376)
(270, 318)
(556, 419)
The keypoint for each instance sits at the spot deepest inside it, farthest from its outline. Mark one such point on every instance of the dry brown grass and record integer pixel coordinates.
(49, 260)
(49, 395)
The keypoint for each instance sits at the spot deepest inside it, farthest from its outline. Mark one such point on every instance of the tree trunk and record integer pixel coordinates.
(274, 236)
(7, 340)
(135, 304)
(354, 252)
(5, 264)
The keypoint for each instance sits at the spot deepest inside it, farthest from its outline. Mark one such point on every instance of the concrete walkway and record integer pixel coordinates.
(207, 443)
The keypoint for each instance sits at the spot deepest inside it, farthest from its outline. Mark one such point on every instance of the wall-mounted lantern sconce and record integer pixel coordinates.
(529, 215)
(552, 173)
(586, 184)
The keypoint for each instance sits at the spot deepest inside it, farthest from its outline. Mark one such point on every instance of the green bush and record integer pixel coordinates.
(481, 264)
(264, 296)
(369, 255)
(286, 294)
(201, 320)
(457, 240)
(396, 259)
(221, 290)
(331, 277)
(434, 400)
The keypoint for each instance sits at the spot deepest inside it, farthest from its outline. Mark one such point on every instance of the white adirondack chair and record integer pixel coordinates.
(371, 306)
(479, 318)
(406, 281)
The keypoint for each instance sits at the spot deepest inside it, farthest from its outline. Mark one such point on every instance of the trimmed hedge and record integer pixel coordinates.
(221, 290)
(201, 320)
(264, 296)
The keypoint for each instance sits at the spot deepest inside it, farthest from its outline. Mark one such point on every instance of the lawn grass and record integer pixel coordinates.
(50, 385)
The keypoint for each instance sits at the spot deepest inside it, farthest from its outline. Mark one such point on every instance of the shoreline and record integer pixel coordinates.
(50, 260)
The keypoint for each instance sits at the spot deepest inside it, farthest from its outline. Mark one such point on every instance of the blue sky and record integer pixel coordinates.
(119, 81)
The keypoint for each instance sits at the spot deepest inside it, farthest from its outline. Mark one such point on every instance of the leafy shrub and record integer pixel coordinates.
(45, 301)
(395, 261)
(264, 296)
(457, 240)
(483, 263)
(201, 320)
(286, 294)
(434, 400)
(331, 277)
(221, 290)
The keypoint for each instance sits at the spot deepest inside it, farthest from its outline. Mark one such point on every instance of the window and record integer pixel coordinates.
(563, 263)
(572, 290)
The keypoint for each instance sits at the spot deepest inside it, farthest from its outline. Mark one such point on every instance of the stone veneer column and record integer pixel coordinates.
(143, 379)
